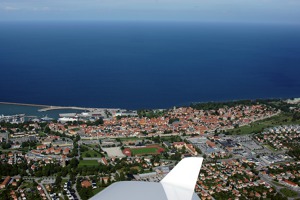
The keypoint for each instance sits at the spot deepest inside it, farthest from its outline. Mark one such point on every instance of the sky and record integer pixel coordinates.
(264, 11)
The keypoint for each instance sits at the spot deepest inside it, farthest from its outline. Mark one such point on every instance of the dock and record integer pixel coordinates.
(64, 107)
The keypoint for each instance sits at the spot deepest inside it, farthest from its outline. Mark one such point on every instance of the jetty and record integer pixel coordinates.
(23, 104)
(64, 107)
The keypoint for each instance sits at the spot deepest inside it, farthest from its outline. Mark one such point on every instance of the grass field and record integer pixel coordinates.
(152, 149)
(288, 192)
(92, 154)
(88, 163)
(92, 145)
(259, 126)
(269, 147)
(139, 151)
(97, 190)
(130, 138)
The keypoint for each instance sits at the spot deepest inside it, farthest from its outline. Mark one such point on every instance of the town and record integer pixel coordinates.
(250, 150)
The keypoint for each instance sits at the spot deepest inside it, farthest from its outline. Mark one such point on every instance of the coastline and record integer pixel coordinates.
(52, 107)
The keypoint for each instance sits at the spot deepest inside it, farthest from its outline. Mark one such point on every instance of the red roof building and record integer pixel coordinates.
(86, 183)
(5, 182)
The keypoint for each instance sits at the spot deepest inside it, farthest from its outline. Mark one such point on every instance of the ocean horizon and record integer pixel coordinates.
(136, 65)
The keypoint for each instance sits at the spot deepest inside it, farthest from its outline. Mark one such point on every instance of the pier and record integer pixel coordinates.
(64, 107)
(44, 108)
(23, 104)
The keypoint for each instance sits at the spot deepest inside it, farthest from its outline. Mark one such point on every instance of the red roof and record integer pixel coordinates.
(6, 180)
(210, 143)
(290, 183)
(86, 183)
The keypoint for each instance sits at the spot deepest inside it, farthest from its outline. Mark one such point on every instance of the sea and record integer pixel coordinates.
(146, 64)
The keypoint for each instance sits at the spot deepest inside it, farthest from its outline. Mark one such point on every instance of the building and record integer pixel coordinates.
(5, 182)
(86, 184)
(179, 145)
(290, 183)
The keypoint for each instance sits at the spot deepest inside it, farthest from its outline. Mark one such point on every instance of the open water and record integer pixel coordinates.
(138, 65)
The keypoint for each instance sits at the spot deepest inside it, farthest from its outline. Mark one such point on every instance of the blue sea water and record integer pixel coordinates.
(146, 64)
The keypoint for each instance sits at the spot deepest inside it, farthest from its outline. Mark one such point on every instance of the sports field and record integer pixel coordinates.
(145, 150)
(154, 149)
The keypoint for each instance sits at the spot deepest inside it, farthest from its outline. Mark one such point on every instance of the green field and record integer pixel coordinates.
(130, 138)
(88, 163)
(92, 145)
(138, 151)
(97, 190)
(92, 153)
(269, 147)
(288, 192)
(278, 184)
(259, 126)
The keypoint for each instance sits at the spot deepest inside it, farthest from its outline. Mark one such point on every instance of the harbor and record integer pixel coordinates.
(35, 112)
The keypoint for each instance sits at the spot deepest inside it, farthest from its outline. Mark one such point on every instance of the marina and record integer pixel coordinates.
(34, 112)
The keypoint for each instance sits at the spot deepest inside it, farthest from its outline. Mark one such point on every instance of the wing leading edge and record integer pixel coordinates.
(179, 184)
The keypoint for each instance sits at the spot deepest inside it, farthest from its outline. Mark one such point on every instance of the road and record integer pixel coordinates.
(44, 189)
(277, 187)
(74, 187)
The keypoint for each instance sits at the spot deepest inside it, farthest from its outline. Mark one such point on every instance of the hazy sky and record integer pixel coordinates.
(287, 11)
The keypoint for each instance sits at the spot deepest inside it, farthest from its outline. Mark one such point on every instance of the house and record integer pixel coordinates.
(5, 182)
(191, 149)
(57, 151)
(104, 161)
(86, 183)
(14, 183)
(105, 179)
(66, 151)
(290, 183)
(13, 195)
(40, 147)
(17, 178)
(179, 145)
(210, 144)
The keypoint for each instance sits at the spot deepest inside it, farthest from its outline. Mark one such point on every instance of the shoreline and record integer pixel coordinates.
(52, 107)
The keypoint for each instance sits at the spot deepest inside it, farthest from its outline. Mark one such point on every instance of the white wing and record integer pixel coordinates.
(179, 184)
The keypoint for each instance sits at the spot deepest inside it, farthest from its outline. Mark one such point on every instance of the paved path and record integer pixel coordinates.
(74, 187)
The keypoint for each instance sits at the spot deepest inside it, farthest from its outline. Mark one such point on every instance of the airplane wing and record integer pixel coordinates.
(179, 184)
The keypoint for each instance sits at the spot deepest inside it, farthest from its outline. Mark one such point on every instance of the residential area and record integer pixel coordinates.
(78, 159)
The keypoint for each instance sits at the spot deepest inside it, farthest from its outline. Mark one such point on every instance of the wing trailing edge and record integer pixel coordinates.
(179, 184)
(184, 177)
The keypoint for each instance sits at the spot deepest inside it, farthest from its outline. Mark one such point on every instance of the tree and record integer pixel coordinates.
(47, 129)
(88, 155)
(58, 180)
(74, 163)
